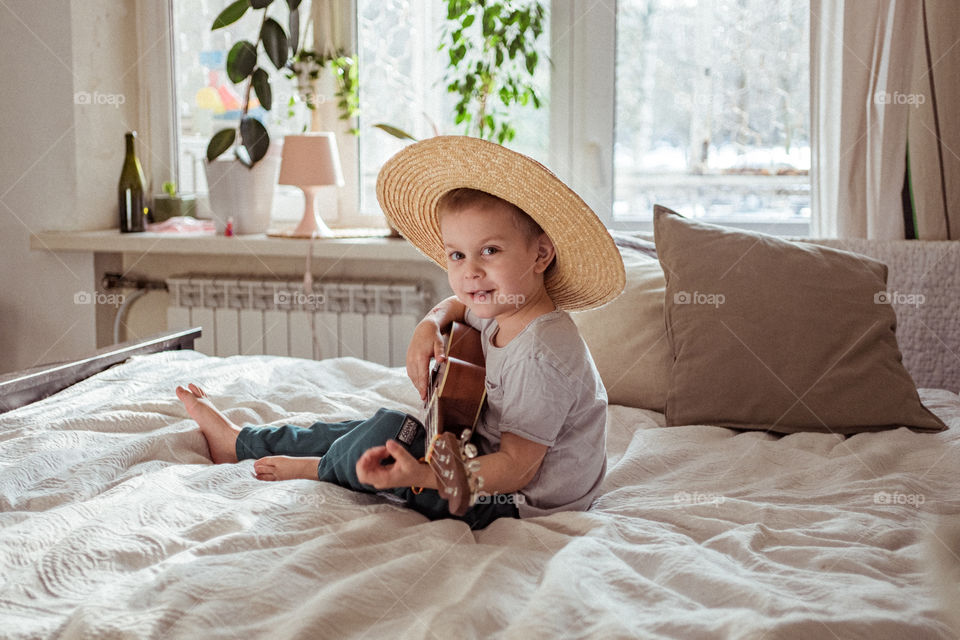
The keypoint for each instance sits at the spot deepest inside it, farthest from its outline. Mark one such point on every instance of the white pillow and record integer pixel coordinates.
(628, 339)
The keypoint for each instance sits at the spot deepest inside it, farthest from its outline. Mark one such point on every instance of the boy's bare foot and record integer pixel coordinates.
(286, 468)
(221, 434)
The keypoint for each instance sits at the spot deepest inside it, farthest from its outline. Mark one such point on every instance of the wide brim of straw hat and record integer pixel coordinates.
(588, 271)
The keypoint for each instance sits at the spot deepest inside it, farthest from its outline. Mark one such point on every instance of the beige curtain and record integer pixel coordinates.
(332, 26)
(867, 101)
(331, 21)
(934, 133)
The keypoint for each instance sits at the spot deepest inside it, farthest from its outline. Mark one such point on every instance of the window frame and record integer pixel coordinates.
(582, 110)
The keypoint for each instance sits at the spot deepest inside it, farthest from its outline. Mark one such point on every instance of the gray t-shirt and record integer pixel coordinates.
(544, 386)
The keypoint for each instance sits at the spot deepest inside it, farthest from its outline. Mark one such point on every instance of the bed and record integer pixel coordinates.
(113, 523)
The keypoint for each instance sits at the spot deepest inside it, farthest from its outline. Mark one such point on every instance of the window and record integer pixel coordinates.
(207, 101)
(401, 84)
(701, 105)
(712, 110)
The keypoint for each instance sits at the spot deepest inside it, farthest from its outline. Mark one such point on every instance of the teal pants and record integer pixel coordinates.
(340, 445)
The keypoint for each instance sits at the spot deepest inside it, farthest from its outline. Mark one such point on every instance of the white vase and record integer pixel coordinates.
(242, 193)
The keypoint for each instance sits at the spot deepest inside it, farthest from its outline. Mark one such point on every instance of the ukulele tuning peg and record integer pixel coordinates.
(470, 450)
(452, 491)
(473, 466)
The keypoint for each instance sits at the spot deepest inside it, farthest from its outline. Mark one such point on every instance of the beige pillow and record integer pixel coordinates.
(781, 336)
(627, 337)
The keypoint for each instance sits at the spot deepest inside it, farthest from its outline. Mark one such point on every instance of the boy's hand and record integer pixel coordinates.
(427, 342)
(405, 471)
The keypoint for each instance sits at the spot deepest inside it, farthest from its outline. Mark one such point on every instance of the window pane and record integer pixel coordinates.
(401, 84)
(712, 109)
(206, 99)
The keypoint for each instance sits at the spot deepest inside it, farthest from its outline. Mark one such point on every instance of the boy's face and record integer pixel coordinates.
(494, 267)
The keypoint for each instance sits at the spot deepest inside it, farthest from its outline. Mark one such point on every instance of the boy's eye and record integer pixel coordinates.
(489, 251)
(455, 255)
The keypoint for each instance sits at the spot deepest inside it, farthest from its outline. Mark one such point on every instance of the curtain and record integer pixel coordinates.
(332, 25)
(870, 98)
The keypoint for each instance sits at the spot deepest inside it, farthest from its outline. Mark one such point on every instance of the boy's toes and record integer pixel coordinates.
(197, 391)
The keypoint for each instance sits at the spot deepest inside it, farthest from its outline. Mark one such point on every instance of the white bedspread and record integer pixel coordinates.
(114, 524)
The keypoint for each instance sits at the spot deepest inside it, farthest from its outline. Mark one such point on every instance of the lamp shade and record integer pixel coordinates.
(311, 159)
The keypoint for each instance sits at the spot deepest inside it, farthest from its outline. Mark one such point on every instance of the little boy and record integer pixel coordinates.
(520, 248)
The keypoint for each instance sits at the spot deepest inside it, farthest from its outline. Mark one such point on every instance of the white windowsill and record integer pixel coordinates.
(112, 241)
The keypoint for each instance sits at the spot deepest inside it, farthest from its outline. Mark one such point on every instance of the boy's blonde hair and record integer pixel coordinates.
(464, 197)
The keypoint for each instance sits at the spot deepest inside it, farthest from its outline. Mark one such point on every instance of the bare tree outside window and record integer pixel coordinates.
(712, 114)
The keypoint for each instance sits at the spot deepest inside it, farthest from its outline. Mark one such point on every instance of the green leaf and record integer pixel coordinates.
(220, 142)
(456, 8)
(524, 20)
(261, 85)
(275, 42)
(260, 4)
(488, 22)
(499, 56)
(394, 131)
(231, 14)
(531, 62)
(240, 61)
(254, 138)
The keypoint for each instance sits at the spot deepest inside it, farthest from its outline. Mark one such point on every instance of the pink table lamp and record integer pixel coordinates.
(311, 161)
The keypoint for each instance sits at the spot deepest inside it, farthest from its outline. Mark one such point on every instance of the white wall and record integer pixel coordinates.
(59, 164)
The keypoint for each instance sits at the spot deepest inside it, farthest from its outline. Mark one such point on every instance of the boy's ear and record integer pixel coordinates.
(545, 253)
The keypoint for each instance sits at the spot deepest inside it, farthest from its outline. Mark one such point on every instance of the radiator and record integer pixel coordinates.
(369, 320)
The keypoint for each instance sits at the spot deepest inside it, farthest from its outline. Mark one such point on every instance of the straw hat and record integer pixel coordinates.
(588, 271)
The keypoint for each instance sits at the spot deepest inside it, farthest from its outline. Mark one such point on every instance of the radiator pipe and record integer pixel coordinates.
(121, 281)
(140, 286)
(122, 311)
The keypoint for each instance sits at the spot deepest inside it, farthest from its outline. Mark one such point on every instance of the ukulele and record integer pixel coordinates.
(454, 400)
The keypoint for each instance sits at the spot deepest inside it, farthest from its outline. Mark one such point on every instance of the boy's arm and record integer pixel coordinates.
(506, 471)
(427, 341)
(513, 466)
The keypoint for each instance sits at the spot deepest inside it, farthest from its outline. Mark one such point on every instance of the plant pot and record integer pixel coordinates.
(166, 207)
(242, 193)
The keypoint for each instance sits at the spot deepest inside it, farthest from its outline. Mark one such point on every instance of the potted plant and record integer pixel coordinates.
(170, 204)
(242, 186)
(306, 68)
(493, 55)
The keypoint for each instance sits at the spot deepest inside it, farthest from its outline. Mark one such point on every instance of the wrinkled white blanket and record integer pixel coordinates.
(114, 524)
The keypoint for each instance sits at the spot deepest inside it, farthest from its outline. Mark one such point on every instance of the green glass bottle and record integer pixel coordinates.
(132, 211)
